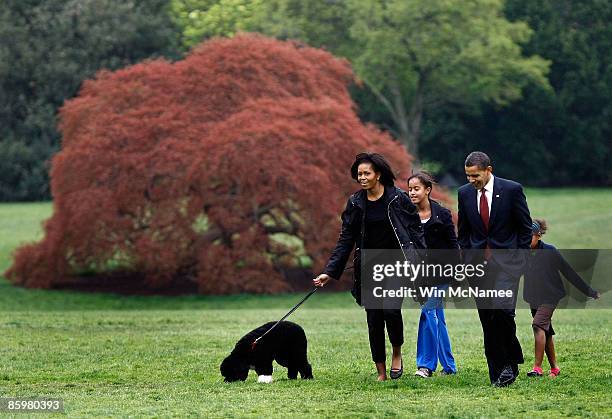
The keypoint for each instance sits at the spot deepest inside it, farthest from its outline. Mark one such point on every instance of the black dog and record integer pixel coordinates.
(286, 344)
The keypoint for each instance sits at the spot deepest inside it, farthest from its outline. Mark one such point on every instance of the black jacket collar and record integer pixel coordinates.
(359, 197)
(435, 212)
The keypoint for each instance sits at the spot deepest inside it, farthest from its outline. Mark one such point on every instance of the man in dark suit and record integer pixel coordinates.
(493, 214)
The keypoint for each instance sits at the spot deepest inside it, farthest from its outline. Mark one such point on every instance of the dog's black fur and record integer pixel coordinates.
(286, 344)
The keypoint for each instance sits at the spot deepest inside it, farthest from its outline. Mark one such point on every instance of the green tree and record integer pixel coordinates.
(203, 19)
(321, 23)
(324, 23)
(414, 55)
(421, 54)
(47, 48)
(577, 37)
(550, 137)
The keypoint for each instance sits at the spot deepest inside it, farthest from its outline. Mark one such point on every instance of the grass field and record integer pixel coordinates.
(108, 355)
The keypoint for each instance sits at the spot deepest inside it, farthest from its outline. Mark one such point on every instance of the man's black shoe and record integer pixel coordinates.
(506, 377)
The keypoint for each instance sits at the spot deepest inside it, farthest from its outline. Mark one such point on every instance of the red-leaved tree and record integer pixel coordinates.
(225, 170)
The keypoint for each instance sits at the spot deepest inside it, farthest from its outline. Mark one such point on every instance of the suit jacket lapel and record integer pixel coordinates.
(496, 200)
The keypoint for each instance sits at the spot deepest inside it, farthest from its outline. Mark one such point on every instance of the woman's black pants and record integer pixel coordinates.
(377, 319)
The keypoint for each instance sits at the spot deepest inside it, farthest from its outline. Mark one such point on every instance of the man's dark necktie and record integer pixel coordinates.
(484, 216)
(484, 209)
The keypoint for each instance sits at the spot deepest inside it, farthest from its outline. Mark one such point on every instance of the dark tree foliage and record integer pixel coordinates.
(225, 169)
(48, 47)
(549, 138)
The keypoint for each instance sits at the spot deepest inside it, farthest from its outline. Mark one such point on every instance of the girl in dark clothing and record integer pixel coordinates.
(379, 216)
(543, 290)
(433, 342)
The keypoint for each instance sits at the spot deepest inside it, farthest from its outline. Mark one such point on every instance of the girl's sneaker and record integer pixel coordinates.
(554, 372)
(423, 372)
(535, 372)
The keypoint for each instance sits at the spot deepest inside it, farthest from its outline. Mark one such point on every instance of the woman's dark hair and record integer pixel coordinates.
(424, 177)
(379, 164)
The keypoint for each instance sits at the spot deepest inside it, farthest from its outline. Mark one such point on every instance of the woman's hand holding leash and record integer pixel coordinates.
(321, 280)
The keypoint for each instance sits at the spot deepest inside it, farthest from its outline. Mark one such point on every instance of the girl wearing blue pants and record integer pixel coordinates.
(433, 342)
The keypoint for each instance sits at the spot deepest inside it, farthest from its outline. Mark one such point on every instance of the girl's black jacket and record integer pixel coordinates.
(440, 230)
(543, 284)
(440, 234)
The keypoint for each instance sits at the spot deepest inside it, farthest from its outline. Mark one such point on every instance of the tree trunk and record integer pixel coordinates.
(408, 123)
(414, 120)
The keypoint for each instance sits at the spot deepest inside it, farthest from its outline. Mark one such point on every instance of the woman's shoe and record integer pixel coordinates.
(394, 373)
(554, 372)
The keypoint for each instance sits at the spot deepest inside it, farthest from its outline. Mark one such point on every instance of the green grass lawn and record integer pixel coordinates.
(108, 355)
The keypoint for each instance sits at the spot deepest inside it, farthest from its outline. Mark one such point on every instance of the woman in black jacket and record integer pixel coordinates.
(379, 216)
(433, 343)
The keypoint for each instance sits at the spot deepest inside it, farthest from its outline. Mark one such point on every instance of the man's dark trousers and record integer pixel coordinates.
(502, 347)
(507, 227)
